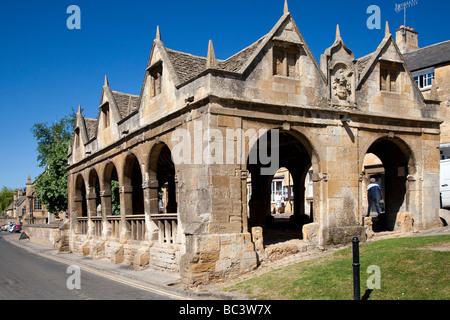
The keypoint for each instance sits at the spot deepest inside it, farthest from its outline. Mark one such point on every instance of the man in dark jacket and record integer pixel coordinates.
(374, 194)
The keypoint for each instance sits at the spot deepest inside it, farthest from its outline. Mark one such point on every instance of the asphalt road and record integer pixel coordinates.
(28, 276)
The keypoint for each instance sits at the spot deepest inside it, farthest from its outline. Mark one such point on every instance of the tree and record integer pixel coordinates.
(53, 142)
(6, 197)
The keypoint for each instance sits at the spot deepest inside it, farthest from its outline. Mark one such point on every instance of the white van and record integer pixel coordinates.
(445, 183)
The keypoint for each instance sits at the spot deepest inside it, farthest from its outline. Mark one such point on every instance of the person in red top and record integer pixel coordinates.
(374, 194)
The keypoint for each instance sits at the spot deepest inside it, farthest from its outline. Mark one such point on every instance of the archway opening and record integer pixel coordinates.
(111, 191)
(162, 168)
(133, 179)
(80, 197)
(391, 171)
(286, 184)
(94, 187)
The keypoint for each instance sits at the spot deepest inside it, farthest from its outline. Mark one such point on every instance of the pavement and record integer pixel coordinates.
(169, 284)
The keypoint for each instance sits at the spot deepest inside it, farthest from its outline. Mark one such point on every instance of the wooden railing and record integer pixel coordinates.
(98, 225)
(83, 222)
(115, 222)
(136, 225)
(167, 227)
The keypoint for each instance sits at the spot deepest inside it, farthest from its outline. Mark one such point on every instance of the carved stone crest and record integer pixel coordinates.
(342, 87)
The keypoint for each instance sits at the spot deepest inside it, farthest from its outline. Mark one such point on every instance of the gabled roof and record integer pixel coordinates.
(188, 67)
(364, 64)
(427, 57)
(126, 103)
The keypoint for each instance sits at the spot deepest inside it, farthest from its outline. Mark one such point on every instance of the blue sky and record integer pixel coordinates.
(47, 69)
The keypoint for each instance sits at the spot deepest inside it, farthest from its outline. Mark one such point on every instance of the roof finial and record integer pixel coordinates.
(338, 33)
(386, 31)
(29, 179)
(211, 58)
(106, 82)
(286, 8)
(158, 34)
(79, 109)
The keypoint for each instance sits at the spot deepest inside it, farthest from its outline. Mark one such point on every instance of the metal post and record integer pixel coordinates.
(356, 274)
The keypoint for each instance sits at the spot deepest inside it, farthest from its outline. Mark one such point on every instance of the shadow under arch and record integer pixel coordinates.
(94, 187)
(80, 196)
(132, 179)
(110, 190)
(161, 172)
(285, 148)
(399, 162)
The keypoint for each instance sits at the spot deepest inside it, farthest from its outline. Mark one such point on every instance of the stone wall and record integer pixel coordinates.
(53, 235)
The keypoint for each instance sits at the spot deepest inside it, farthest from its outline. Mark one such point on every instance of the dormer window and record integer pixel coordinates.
(77, 137)
(285, 61)
(106, 116)
(389, 76)
(156, 79)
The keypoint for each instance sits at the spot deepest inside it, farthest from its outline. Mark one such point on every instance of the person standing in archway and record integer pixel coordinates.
(374, 195)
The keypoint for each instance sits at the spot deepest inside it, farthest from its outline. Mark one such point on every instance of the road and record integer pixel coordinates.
(28, 276)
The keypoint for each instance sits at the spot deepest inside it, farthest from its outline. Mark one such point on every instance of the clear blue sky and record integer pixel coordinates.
(47, 69)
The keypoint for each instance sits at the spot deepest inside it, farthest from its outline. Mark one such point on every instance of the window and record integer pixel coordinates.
(37, 205)
(285, 62)
(156, 80)
(424, 79)
(77, 137)
(106, 118)
(389, 74)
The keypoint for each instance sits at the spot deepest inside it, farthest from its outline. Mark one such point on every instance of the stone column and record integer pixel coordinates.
(91, 198)
(106, 199)
(150, 189)
(126, 208)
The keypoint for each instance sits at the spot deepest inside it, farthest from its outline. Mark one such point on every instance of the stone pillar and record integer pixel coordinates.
(150, 189)
(91, 198)
(126, 209)
(106, 199)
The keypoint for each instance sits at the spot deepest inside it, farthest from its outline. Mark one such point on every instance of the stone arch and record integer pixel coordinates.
(399, 165)
(110, 189)
(132, 185)
(297, 155)
(162, 179)
(80, 196)
(93, 187)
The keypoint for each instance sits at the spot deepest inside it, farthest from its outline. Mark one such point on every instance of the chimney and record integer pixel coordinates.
(407, 39)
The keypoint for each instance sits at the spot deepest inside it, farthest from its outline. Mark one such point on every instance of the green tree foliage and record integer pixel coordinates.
(6, 197)
(53, 142)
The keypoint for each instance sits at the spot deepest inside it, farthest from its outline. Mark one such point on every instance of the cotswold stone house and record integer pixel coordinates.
(160, 179)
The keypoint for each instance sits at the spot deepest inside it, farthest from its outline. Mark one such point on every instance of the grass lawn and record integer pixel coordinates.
(408, 271)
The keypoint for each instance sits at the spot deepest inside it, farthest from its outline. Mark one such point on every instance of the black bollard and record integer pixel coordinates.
(356, 279)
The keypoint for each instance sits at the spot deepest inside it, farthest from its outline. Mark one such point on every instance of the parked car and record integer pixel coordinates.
(445, 183)
(17, 228)
(4, 227)
(11, 227)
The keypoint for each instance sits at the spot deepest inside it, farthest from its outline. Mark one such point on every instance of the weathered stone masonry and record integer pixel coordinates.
(192, 216)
